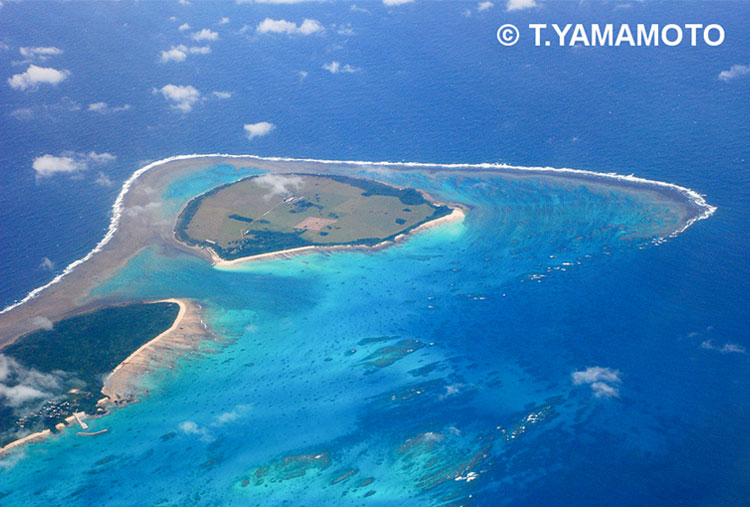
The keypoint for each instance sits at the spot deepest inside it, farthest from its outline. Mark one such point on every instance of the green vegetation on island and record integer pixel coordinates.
(274, 212)
(52, 373)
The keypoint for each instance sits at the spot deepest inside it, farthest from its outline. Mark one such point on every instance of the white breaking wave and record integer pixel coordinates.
(117, 207)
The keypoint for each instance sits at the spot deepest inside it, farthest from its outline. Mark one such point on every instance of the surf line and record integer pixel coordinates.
(117, 207)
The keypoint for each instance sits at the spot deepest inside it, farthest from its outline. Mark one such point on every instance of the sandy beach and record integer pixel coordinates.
(187, 331)
(140, 221)
(457, 214)
(34, 437)
(120, 386)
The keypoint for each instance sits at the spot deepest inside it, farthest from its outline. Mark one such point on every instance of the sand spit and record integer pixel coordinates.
(457, 215)
(185, 334)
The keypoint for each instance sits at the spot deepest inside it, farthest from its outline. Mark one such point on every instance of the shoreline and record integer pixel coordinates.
(457, 214)
(135, 354)
(174, 325)
(706, 210)
(189, 329)
(39, 436)
(69, 292)
(185, 333)
(118, 387)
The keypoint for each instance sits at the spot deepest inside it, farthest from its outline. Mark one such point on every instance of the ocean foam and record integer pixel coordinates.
(117, 208)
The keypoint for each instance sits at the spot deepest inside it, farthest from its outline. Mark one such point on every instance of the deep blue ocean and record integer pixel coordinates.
(430, 84)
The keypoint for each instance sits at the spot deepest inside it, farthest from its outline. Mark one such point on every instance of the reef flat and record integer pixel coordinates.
(139, 219)
(141, 258)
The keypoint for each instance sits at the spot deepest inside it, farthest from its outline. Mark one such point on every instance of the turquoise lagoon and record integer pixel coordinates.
(438, 370)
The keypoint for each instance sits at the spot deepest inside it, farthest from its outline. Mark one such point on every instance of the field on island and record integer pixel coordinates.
(275, 212)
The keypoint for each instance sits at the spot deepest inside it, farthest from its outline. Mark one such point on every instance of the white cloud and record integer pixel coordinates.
(450, 390)
(175, 54)
(253, 130)
(483, 6)
(191, 428)
(269, 25)
(734, 72)
(594, 374)
(224, 21)
(345, 30)
(604, 390)
(181, 97)
(27, 384)
(68, 163)
(431, 436)
(49, 110)
(278, 184)
(603, 381)
(103, 108)
(100, 158)
(47, 165)
(103, 180)
(724, 349)
(222, 95)
(34, 76)
(41, 53)
(47, 264)
(518, 5)
(205, 34)
(227, 417)
(98, 107)
(184, 27)
(732, 347)
(43, 322)
(308, 27)
(19, 394)
(180, 53)
(134, 211)
(337, 68)
(231, 416)
(6, 367)
(396, 2)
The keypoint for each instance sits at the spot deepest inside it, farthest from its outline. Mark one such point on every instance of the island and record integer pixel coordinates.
(56, 375)
(275, 213)
(91, 358)
(83, 333)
